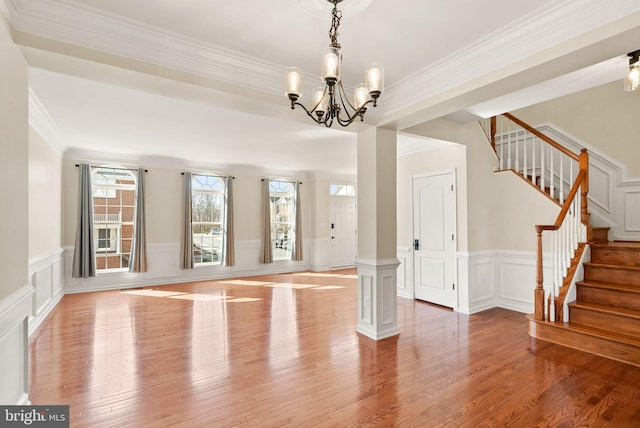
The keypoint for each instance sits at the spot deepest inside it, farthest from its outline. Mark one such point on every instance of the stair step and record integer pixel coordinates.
(607, 294)
(617, 346)
(599, 235)
(613, 274)
(618, 253)
(615, 320)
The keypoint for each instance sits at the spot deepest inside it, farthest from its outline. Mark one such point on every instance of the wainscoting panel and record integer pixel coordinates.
(614, 199)
(517, 279)
(45, 276)
(320, 254)
(482, 285)
(405, 272)
(14, 349)
(163, 262)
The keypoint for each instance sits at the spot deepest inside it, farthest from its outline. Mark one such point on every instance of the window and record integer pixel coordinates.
(113, 214)
(208, 210)
(343, 190)
(283, 218)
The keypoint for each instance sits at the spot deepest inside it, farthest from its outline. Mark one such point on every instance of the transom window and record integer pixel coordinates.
(207, 218)
(283, 218)
(113, 214)
(343, 190)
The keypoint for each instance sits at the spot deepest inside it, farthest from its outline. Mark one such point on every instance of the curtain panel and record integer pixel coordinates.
(229, 246)
(296, 251)
(84, 263)
(138, 261)
(266, 253)
(186, 236)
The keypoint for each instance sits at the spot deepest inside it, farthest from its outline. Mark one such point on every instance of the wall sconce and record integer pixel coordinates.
(632, 78)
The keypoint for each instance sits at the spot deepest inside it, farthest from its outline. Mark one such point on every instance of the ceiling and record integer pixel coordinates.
(200, 83)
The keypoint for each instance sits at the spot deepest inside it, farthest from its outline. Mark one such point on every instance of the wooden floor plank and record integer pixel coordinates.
(281, 350)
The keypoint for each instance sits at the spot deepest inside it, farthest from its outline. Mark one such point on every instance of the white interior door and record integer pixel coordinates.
(434, 220)
(343, 231)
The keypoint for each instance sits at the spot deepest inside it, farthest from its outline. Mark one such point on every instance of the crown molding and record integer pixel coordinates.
(151, 161)
(541, 29)
(74, 23)
(40, 120)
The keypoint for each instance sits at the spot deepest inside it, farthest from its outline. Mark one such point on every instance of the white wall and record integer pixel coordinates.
(605, 117)
(45, 228)
(15, 294)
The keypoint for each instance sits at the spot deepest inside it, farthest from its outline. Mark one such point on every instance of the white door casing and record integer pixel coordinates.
(343, 231)
(434, 220)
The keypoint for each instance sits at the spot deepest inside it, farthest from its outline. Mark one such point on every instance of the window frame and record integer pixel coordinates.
(106, 189)
(286, 238)
(221, 194)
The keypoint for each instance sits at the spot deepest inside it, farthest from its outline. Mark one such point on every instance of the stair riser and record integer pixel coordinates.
(608, 297)
(605, 321)
(617, 256)
(611, 275)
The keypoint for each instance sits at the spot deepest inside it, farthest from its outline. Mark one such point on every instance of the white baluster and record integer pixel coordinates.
(533, 160)
(524, 162)
(509, 148)
(501, 144)
(517, 151)
(554, 266)
(542, 159)
(551, 174)
(561, 184)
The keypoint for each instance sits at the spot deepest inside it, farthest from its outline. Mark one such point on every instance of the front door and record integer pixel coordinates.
(434, 220)
(343, 231)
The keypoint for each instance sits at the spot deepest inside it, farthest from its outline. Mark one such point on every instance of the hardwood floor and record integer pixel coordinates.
(281, 350)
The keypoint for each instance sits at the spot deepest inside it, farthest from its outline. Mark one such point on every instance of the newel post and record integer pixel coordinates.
(584, 189)
(538, 298)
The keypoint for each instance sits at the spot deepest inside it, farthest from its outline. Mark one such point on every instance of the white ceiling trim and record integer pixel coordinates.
(42, 122)
(150, 161)
(74, 23)
(541, 29)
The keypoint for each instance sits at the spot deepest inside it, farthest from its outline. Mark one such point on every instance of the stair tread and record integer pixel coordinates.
(630, 313)
(619, 244)
(609, 286)
(605, 334)
(613, 266)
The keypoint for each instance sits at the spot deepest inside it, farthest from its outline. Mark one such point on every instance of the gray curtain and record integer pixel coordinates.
(229, 246)
(296, 251)
(138, 262)
(84, 263)
(266, 253)
(186, 236)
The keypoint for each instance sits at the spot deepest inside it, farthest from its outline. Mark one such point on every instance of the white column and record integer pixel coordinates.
(377, 229)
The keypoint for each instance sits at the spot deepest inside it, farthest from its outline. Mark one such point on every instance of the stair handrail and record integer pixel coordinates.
(542, 136)
(581, 184)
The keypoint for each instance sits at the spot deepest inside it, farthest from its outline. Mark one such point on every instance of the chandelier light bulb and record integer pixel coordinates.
(319, 100)
(632, 78)
(331, 66)
(360, 95)
(293, 82)
(375, 78)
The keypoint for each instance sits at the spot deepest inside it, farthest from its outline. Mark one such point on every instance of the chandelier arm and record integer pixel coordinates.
(358, 113)
(309, 113)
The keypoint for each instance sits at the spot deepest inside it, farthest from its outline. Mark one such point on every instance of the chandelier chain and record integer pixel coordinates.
(335, 23)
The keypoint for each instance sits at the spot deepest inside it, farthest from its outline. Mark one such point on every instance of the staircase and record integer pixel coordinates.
(605, 318)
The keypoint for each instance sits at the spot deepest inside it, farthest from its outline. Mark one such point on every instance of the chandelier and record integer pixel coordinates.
(632, 78)
(330, 101)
